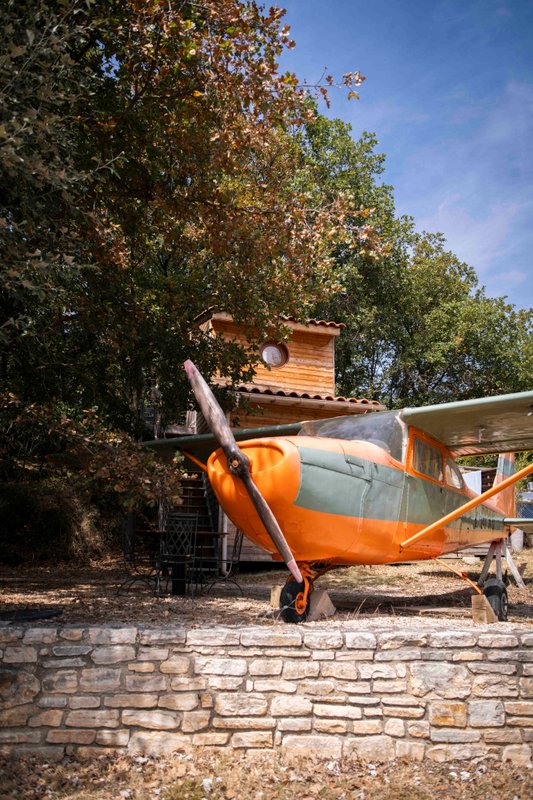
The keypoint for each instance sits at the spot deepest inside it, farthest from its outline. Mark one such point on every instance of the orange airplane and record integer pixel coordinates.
(379, 488)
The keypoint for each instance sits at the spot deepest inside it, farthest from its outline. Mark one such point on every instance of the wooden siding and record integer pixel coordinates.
(311, 363)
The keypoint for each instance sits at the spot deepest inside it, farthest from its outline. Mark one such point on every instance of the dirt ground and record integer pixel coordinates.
(83, 594)
(258, 776)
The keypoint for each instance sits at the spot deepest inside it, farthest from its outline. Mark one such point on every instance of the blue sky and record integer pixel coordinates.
(449, 94)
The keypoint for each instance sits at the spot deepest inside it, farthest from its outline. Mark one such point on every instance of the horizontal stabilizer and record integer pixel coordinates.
(524, 523)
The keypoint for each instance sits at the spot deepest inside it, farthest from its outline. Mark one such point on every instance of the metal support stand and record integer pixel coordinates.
(499, 548)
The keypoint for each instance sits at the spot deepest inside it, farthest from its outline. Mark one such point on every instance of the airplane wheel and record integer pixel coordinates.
(287, 601)
(496, 593)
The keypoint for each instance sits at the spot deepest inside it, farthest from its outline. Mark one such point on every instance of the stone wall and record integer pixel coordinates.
(337, 689)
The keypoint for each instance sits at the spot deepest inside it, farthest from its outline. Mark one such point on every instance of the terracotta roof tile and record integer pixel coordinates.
(273, 392)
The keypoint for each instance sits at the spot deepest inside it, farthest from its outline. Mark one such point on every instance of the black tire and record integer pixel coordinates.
(496, 593)
(287, 599)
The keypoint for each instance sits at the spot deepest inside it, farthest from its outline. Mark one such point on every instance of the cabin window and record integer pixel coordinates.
(427, 459)
(453, 474)
(274, 354)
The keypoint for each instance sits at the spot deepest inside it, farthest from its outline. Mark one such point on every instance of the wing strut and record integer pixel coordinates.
(476, 501)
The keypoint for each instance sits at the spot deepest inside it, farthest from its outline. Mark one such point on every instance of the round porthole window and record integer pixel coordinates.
(274, 355)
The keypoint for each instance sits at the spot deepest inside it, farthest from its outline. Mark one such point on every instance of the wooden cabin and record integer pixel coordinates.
(294, 381)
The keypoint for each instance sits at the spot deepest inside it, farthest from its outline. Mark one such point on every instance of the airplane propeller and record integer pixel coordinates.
(239, 463)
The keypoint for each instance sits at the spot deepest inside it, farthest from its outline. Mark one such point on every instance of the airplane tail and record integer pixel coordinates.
(506, 500)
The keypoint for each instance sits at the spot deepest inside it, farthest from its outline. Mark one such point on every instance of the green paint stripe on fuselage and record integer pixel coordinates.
(331, 485)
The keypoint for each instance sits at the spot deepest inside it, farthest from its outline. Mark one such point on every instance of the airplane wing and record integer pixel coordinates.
(524, 523)
(201, 445)
(501, 424)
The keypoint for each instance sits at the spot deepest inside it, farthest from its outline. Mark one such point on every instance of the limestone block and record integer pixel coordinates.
(131, 700)
(177, 665)
(448, 714)
(526, 687)
(323, 655)
(460, 639)
(294, 724)
(213, 637)
(152, 653)
(494, 686)
(359, 640)
(166, 635)
(207, 700)
(223, 684)
(288, 653)
(151, 743)
(188, 684)
(73, 736)
(195, 721)
(113, 654)
(367, 671)
(151, 682)
(210, 739)
(65, 682)
(266, 666)
(185, 701)
(62, 663)
(116, 738)
(482, 668)
(110, 635)
(330, 726)
(90, 718)
(344, 671)
(71, 633)
(153, 720)
(51, 718)
(141, 666)
(319, 745)
(354, 655)
(241, 704)
(418, 730)
(402, 654)
(17, 716)
(247, 739)
(271, 637)
(519, 754)
(68, 650)
(367, 727)
(494, 640)
(486, 713)
(398, 640)
(99, 679)
(453, 735)
(503, 736)
(20, 654)
(370, 748)
(410, 751)
(322, 639)
(290, 706)
(394, 727)
(405, 712)
(384, 686)
(220, 666)
(445, 680)
(280, 686)
(340, 711)
(522, 722)
(20, 737)
(9, 633)
(467, 655)
(455, 752)
(84, 701)
(52, 701)
(292, 670)
(318, 688)
(522, 707)
(320, 606)
(244, 723)
(40, 635)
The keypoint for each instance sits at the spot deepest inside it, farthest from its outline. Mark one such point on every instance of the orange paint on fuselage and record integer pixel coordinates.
(315, 535)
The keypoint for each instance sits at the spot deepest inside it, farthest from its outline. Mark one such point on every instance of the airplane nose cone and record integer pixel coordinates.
(275, 469)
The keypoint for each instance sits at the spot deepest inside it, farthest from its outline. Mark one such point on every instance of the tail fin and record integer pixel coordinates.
(506, 500)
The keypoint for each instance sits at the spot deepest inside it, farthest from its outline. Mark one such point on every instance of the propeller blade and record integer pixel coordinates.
(239, 463)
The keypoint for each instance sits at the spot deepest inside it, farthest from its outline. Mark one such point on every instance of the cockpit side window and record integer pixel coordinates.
(427, 460)
(385, 429)
(453, 475)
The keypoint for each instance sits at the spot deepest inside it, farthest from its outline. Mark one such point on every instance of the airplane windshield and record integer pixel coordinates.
(382, 428)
